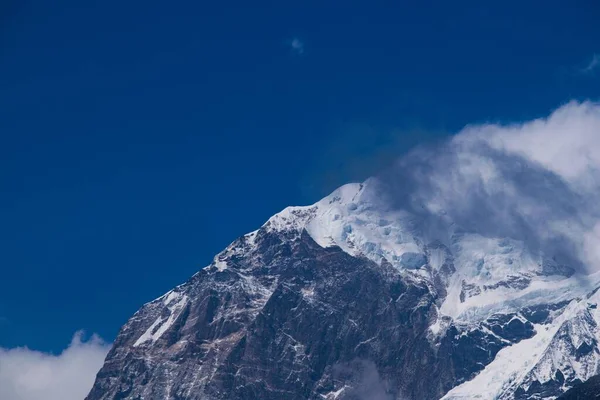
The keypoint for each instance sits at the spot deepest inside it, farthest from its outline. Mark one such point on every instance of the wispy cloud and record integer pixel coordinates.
(593, 65)
(32, 375)
(297, 46)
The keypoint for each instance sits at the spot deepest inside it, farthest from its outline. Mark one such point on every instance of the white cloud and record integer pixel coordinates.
(31, 375)
(566, 142)
(297, 46)
(537, 181)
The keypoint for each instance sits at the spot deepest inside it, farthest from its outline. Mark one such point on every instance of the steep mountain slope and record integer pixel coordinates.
(353, 299)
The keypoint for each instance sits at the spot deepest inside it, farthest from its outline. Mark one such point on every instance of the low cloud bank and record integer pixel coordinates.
(32, 375)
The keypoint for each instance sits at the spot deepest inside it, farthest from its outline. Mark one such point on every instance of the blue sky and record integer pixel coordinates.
(139, 138)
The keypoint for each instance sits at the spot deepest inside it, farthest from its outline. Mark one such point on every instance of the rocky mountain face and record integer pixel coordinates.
(348, 299)
(587, 390)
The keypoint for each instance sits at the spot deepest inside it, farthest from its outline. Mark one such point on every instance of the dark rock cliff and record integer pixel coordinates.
(287, 318)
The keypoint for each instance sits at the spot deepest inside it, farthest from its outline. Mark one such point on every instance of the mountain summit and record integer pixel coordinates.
(353, 299)
(469, 270)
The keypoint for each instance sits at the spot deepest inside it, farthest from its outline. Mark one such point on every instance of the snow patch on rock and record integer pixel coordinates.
(175, 303)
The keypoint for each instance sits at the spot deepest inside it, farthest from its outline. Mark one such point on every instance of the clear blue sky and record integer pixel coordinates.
(138, 138)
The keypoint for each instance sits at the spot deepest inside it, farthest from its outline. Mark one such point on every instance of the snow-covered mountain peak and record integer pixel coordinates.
(356, 220)
(469, 271)
(477, 301)
(484, 274)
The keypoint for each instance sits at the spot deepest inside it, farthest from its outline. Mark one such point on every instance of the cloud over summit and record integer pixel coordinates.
(536, 181)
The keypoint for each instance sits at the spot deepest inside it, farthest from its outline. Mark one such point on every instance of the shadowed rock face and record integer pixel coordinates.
(587, 390)
(289, 319)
